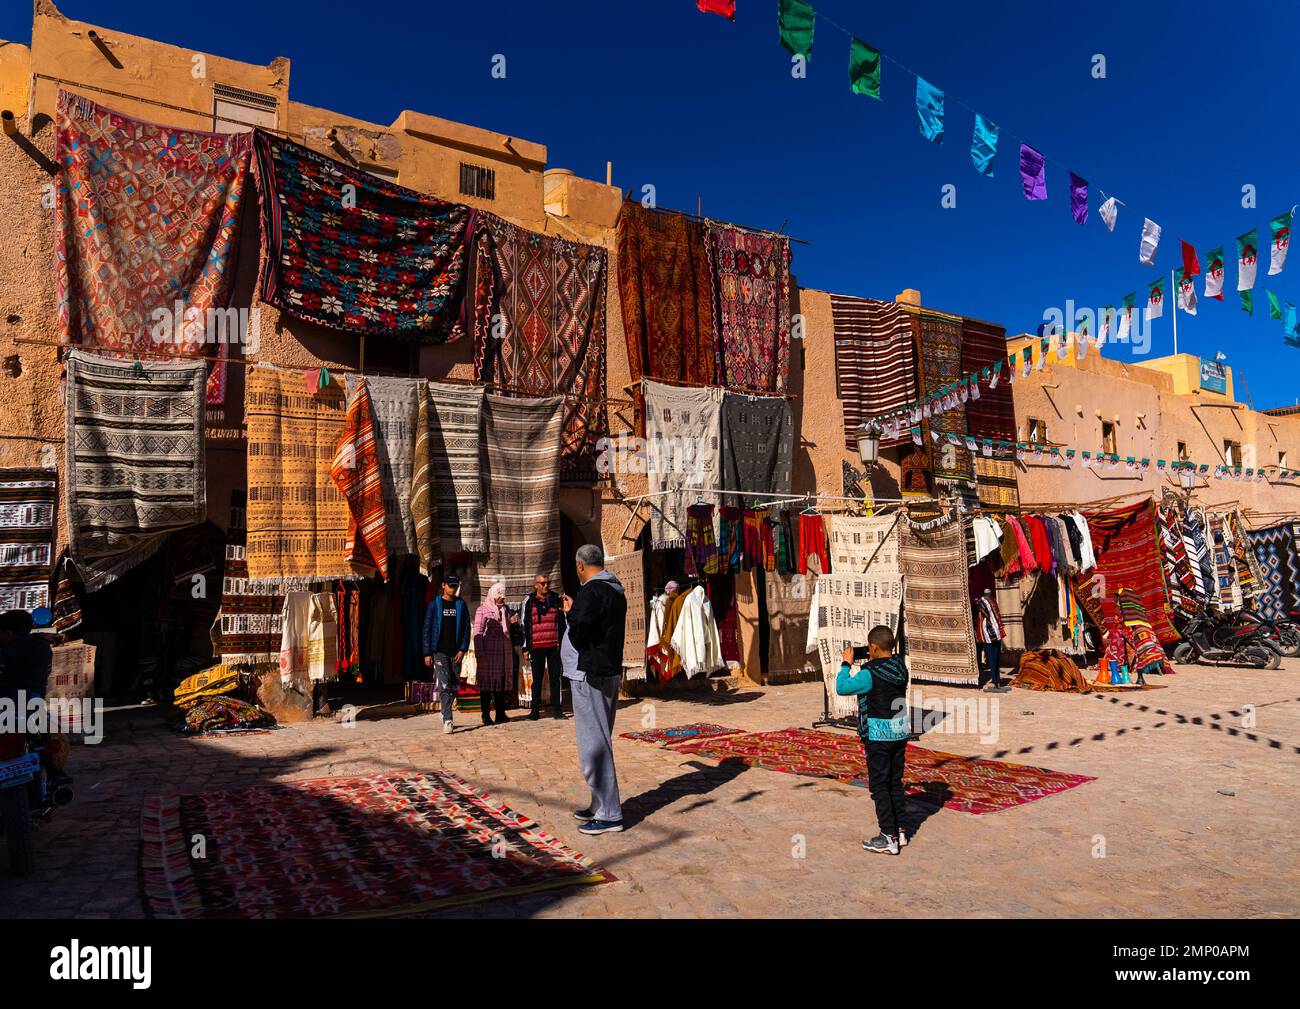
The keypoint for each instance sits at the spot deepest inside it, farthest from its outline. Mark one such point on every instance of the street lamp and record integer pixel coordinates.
(868, 444)
(1187, 478)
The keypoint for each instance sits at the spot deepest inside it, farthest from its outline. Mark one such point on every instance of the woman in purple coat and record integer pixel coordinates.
(494, 653)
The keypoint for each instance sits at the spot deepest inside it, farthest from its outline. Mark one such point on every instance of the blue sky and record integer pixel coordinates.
(1199, 100)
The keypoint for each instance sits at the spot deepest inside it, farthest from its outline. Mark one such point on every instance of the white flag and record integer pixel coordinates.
(1281, 228)
(1186, 294)
(1214, 279)
(1150, 242)
(1109, 211)
(1155, 302)
(1082, 339)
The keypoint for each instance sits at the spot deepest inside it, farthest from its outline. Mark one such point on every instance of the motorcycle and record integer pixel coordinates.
(1213, 638)
(1285, 632)
(31, 788)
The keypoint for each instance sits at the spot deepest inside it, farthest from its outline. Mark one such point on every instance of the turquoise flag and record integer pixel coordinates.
(929, 106)
(984, 145)
(1291, 326)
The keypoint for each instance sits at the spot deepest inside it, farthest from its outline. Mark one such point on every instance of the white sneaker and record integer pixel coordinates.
(902, 838)
(447, 728)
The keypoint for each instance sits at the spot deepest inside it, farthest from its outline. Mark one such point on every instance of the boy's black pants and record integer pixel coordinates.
(885, 778)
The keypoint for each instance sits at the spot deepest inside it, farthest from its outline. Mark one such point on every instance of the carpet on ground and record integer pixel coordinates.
(966, 784)
(750, 276)
(28, 505)
(875, 362)
(940, 632)
(369, 846)
(672, 735)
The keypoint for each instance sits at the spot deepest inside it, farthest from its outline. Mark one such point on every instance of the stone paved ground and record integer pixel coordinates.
(718, 841)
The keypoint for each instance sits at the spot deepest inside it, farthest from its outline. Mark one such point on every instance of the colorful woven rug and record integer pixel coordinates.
(938, 355)
(388, 262)
(684, 446)
(1179, 581)
(446, 492)
(248, 626)
(394, 403)
(297, 519)
(147, 217)
(1126, 543)
(993, 415)
(875, 361)
(1278, 551)
(681, 733)
(134, 459)
(936, 597)
(521, 465)
(551, 301)
(750, 276)
(355, 471)
(996, 483)
(966, 784)
(28, 504)
(378, 845)
(757, 447)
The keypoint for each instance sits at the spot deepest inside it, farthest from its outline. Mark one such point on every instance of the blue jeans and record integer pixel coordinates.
(990, 658)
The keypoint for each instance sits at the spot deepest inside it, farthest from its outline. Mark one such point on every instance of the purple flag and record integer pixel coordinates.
(1033, 178)
(1079, 198)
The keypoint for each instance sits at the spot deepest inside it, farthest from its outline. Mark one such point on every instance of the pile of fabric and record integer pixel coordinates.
(204, 705)
(1050, 670)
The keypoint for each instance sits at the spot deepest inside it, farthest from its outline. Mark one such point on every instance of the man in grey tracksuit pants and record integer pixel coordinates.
(591, 653)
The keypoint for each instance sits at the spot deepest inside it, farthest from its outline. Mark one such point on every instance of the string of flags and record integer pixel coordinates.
(796, 25)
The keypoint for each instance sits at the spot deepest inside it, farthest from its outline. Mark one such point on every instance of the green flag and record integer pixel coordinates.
(1274, 307)
(795, 20)
(864, 69)
(1247, 301)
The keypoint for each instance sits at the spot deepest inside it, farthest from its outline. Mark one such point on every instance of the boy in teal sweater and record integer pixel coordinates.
(881, 689)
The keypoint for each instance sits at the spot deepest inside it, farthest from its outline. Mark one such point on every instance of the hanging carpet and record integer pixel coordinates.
(993, 415)
(684, 449)
(248, 627)
(394, 403)
(1278, 550)
(875, 362)
(757, 447)
(939, 364)
(1126, 543)
(750, 277)
(356, 472)
(446, 489)
(936, 594)
(28, 506)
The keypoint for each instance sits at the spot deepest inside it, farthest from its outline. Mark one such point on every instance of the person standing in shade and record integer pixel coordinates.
(989, 632)
(543, 623)
(592, 655)
(446, 640)
(494, 653)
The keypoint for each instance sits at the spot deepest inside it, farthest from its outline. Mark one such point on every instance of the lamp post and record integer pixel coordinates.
(868, 445)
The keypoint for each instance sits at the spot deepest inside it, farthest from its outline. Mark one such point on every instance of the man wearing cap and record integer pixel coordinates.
(446, 640)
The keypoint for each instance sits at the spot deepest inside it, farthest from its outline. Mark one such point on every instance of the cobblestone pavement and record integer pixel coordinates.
(710, 840)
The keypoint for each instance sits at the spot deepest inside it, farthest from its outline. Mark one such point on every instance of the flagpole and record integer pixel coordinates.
(1173, 287)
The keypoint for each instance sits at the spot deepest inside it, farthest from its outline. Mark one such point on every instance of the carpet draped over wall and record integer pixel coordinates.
(28, 507)
(1126, 542)
(750, 276)
(684, 446)
(939, 363)
(757, 448)
(875, 361)
(993, 415)
(940, 631)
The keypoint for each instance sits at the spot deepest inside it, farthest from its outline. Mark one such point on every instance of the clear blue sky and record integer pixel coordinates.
(1200, 99)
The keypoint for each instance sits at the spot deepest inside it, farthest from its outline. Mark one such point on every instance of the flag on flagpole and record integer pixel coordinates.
(1186, 292)
(1247, 301)
(727, 8)
(1109, 211)
(1156, 299)
(929, 107)
(1281, 228)
(795, 21)
(1214, 274)
(1247, 259)
(1150, 242)
(984, 145)
(1191, 265)
(1033, 173)
(1079, 198)
(1274, 307)
(864, 69)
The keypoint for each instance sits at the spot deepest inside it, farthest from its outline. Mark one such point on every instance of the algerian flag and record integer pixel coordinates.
(1155, 299)
(1247, 259)
(795, 21)
(1247, 301)
(1042, 356)
(1186, 292)
(1214, 274)
(1150, 242)
(1109, 211)
(864, 69)
(1274, 307)
(1281, 228)
(997, 374)
(1126, 318)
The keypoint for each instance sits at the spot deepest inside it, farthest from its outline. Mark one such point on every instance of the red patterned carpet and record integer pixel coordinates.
(370, 846)
(967, 784)
(674, 734)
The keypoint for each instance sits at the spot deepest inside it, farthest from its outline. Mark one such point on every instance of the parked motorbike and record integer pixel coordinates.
(1212, 637)
(30, 790)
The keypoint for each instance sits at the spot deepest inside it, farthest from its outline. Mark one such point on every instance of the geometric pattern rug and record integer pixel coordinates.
(381, 844)
(967, 784)
(1278, 551)
(681, 733)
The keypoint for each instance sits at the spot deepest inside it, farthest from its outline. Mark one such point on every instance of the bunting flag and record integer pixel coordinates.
(1247, 301)
(1186, 292)
(727, 8)
(1281, 228)
(929, 107)
(1079, 198)
(795, 20)
(1108, 317)
(984, 145)
(1126, 320)
(1214, 274)
(1033, 173)
(864, 69)
(1274, 307)
(1155, 299)
(1291, 325)
(1191, 265)
(1150, 242)
(1247, 259)
(1109, 211)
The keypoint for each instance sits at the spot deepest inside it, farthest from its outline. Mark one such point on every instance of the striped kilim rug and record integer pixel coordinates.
(134, 456)
(394, 403)
(875, 361)
(446, 489)
(28, 502)
(936, 604)
(383, 844)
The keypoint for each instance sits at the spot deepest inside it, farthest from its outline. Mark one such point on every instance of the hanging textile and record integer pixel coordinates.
(663, 286)
(701, 546)
(1147, 657)
(1173, 555)
(446, 489)
(28, 503)
(134, 456)
(875, 362)
(297, 519)
(309, 639)
(993, 414)
(996, 483)
(723, 600)
(550, 297)
(1248, 569)
(1011, 598)
(788, 599)
(939, 357)
(684, 438)
(387, 262)
(521, 466)
(813, 543)
(757, 447)
(394, 402)
(1277, 549)
(939, 622)
(67, 601)
(760, 545)
(730, 540)
(750, 277)
(695, 636)
(1126, 543)
(249, 625)
(146, 222)
(629, 569)
(355, 471)
(856, 540)
(1225, 568)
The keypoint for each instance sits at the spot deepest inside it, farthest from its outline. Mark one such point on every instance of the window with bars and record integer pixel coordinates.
(234, 109)
(477, 181)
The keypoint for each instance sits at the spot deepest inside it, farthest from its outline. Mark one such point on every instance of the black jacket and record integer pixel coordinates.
(597, 623)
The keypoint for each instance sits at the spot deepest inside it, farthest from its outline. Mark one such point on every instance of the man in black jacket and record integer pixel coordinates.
(592, 654)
